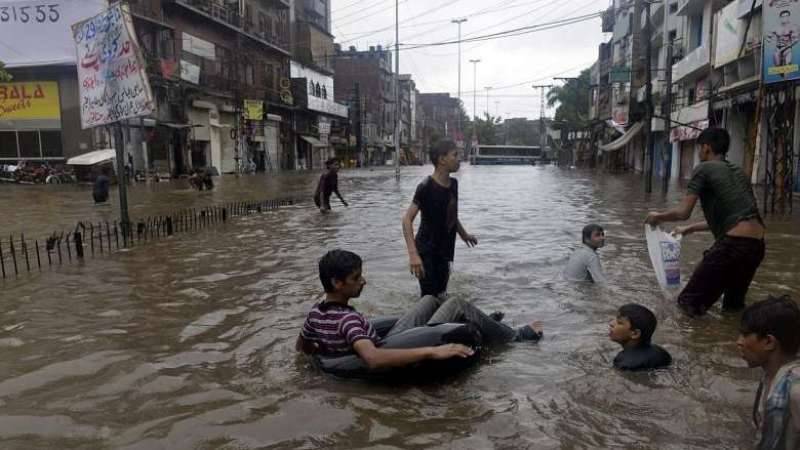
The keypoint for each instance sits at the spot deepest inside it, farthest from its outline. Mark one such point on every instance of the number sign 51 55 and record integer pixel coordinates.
(30, 14)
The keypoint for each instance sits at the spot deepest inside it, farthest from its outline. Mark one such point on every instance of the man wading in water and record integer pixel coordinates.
(328, 184)
(732, 216)
(431, 253)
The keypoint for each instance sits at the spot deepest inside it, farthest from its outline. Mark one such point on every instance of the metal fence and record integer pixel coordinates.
(21, 255)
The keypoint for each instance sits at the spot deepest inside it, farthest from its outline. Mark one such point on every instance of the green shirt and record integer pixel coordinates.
(725, 195)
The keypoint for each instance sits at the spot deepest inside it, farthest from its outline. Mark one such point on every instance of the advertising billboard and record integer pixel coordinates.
(781, 57)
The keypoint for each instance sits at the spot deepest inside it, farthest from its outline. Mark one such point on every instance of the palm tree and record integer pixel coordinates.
(573, 102)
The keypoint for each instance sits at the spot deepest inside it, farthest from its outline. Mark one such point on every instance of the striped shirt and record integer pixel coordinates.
(336, 327)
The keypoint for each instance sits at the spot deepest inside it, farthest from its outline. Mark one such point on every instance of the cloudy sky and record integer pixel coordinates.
(520, 60)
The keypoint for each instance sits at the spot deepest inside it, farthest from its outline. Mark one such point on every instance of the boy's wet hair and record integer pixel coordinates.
(586, 234)
(440, 149)
(717, 138)
(337, 265)
(776, 316)
(330, 162)
(641, 319)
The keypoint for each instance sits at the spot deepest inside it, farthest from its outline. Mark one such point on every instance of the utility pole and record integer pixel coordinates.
(358, 124)
(542, 127)
(397, 89)
(474, 99)
(666, 112)
(648, 93)
(488, 88)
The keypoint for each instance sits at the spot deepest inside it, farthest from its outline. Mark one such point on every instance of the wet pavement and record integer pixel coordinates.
(187, 343)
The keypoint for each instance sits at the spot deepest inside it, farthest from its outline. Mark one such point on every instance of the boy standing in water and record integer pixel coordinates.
(769, 338)
(431, 252)
(584, 263)
(732, 215)
(633, 329)
(328, 184)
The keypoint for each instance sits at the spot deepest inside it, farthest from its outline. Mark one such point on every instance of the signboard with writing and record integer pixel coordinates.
(190, 72)
(111, 75)
(781, 45)
(37, 32)
(196, 46)
(253, 110)
(29, 100)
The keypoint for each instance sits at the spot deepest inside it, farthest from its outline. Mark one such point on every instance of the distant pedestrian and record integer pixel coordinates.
(584, 263)
(327, 186)
(731, 213)
(101, 186)
(431, 252)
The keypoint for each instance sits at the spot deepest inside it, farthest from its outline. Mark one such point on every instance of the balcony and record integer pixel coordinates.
(147, 9)
(229, 16)
(608, 20)
(690, 7)
(695, 62)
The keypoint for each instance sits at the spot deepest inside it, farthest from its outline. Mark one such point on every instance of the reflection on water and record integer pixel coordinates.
(188, 342)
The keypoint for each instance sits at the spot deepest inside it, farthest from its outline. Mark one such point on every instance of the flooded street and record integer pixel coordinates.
(188, 342)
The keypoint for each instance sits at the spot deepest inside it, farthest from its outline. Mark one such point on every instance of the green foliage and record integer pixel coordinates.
(486, 129)
(573, 102)
(4, 76)
(521, 132)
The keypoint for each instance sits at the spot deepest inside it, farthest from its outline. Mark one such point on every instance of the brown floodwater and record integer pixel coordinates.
(187, 343)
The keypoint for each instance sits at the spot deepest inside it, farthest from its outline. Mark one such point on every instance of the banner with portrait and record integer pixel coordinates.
(781, 41)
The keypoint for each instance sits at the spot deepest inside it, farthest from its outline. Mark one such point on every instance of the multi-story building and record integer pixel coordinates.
(443, 118)
(204, 58)
(408, 120)
(371, 70)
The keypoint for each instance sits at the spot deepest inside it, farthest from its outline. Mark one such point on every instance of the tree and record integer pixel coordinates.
(4, 76)
(573, 102)
(486, 129)
(521, 132)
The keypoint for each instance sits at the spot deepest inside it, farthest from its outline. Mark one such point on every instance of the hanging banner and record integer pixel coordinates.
(111, 73)
(37, 32)
(781, 25)
(29, 100)
(253, 110)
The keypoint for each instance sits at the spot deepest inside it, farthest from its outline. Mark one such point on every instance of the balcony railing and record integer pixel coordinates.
(229, 15)
(695, 61)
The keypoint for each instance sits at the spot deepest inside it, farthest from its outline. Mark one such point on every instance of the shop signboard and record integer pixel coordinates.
(29, 100)
(196, 46)
(37, 32)
(112, 81)
(190, 72)
(781, 39)
(253, 110)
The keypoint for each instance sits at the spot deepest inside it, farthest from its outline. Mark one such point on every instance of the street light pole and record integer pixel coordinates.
(397, 88)
(459, 22)
(474, 97)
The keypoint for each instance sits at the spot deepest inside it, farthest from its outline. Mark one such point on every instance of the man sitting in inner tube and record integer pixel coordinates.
(334, 328)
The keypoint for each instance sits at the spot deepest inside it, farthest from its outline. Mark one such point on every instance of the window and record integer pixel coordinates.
(673, 8)
(695, 32)
(51, 143)
(673, 34)
(166, 44)
(29, 144)
(8, 144)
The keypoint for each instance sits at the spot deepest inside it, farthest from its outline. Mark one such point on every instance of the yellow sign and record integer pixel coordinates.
(253, 110)
(29, 100)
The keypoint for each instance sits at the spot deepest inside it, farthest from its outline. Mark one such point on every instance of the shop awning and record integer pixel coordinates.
(313, 141)
(91, 158)
(624, 139)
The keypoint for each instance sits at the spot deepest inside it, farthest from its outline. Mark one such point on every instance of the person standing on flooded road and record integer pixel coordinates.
(731, 213)
(101, 187)
(328, 185)
(431, 252)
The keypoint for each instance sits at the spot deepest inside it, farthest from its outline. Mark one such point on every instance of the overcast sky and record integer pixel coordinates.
(562, 51)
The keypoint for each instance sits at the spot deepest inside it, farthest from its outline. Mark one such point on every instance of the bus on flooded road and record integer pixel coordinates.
(506, 155)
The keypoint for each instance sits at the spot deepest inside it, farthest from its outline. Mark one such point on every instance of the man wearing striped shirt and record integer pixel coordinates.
(334, 328)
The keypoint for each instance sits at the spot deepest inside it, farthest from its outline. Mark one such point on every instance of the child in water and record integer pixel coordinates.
(769, 338)
(632, 329)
